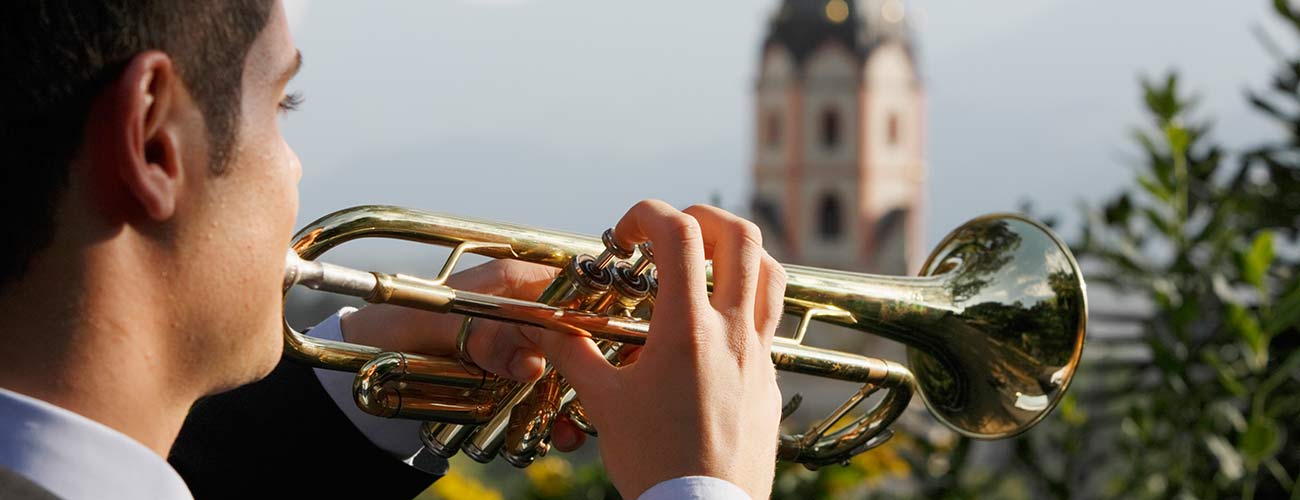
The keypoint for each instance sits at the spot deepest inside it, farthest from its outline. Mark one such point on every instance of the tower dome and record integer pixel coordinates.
(802, 26)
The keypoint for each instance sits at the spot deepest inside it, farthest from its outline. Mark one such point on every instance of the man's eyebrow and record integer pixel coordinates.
(293, 70)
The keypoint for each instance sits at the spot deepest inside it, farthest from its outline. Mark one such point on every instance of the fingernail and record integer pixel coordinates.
(563, 439)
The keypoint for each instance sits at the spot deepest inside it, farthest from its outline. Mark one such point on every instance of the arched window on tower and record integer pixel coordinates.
(768, 213)
(831, 224)
(772, 129)
(893, 129)
(830, 128)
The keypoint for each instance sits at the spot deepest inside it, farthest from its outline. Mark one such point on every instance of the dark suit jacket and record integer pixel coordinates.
(285, 436)
(16, 487)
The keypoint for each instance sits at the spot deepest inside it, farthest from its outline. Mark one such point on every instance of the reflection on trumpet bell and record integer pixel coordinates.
(995, 329)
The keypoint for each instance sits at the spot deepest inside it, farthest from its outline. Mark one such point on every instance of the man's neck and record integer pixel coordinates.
(74, 337)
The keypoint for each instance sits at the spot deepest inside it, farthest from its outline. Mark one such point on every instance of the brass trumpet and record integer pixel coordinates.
(994, 326)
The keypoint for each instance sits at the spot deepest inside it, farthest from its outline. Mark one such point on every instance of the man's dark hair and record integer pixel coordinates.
(56, 56)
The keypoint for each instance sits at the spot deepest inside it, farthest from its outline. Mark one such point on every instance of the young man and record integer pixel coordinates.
(150, 197)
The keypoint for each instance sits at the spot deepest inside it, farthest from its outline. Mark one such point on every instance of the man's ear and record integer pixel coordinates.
(135, 140)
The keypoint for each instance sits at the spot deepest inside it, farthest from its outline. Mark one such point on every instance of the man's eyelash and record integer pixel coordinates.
(291, 102)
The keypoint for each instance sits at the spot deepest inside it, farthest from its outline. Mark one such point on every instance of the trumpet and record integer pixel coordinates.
(994, 327)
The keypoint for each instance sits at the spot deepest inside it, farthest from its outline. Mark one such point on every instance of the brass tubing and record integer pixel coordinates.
(798, 358)
(443, 439)
(426, 402)
(529, 426)
(487, 439)
(529, 431)
(994, 326)
(578, 415)
(580, 286)
(819, 448)
(532, 421)
(373, 392)
(584, 285)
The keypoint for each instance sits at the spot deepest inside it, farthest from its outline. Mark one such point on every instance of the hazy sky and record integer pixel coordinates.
(563, 113)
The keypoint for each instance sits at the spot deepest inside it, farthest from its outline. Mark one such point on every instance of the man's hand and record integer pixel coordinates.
(500, 348)
(701, 397)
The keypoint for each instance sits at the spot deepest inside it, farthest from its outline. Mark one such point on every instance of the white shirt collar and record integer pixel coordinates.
(75, 457)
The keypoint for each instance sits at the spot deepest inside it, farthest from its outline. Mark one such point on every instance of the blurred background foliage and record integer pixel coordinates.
(1206, 239)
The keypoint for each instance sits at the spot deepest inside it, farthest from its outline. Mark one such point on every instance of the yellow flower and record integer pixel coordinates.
(457, 486)
(883, 461)
(551, 477)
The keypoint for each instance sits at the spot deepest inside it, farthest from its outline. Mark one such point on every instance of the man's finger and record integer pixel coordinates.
(770, 304)
(737, 252)
(504, 350)
(678, 249)
(497, 347)
(505, 277)
(581, 363)
(565, 436)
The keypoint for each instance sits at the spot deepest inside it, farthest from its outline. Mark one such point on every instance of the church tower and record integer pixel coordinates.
(839, 162)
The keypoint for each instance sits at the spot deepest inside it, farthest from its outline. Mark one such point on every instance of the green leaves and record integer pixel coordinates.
(1204, 242)
(1262, 440)
(1178, 137)
(1155, 188)
(1284, 10)
(1118, 212)
(1247, 328)
(1163, 100)
(1205, 253)
(1256, 260)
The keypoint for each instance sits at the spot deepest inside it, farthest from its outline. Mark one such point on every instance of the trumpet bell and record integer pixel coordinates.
(1001, 356)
